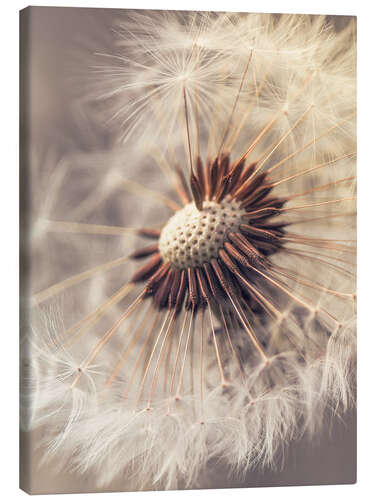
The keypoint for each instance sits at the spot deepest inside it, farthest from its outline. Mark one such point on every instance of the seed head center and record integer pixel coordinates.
(193, 237)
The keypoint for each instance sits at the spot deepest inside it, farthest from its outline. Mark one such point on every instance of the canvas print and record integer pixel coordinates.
(188, 264)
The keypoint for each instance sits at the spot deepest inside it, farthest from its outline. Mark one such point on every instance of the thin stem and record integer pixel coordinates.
(187, 129)
(103, 341)
(234, 105)
(219, 362)
(74, 280)
(178, 390)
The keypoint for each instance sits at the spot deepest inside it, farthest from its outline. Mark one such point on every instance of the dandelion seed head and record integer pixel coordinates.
(228, 331)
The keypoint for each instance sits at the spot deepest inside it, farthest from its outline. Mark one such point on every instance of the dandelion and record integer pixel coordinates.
(235, 331)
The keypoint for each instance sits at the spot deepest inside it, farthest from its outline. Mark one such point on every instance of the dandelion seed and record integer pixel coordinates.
(231, 329)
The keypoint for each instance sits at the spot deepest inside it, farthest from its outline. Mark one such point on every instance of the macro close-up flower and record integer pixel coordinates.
(192, 273)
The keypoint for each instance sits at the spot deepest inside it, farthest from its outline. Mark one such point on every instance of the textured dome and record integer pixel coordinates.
(192, 237)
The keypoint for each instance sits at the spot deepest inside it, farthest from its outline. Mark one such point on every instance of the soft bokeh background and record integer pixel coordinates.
(61, 42)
